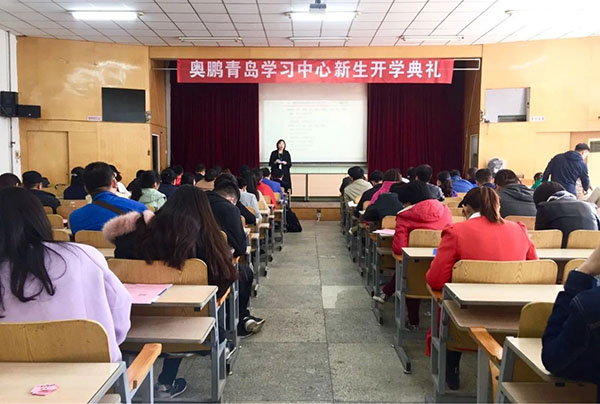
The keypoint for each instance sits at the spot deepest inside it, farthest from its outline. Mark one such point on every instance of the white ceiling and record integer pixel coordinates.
(263, 22)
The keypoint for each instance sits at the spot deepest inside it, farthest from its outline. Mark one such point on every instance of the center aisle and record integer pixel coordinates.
(320, 342)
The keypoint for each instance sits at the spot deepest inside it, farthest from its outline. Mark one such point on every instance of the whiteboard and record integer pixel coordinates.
(319, 122)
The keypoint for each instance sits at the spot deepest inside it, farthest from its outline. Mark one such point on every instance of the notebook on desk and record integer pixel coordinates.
(145, 293)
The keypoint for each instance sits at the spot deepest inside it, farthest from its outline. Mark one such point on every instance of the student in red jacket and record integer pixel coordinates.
(484, 236)
(425, 213)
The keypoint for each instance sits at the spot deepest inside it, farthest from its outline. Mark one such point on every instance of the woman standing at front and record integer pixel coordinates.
(281, 159)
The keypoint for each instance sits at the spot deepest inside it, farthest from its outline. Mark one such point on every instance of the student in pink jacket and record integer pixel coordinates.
(44, 280)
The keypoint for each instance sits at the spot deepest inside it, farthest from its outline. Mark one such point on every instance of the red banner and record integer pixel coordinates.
(315, 71)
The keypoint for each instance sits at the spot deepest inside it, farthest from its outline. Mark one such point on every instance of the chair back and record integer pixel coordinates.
(528, 221)
(388, 222)
(453, 204)
(456, 211)
(93, 238)
(569, 266)
(366, 205)
(458, 219)
(453, 200)
(268, 199)
(263, 204)
(67, 206)
(533, 320)
(60, 235)
(515, 272)
(546, 238)
(583, 239)
(416, 285)
(54, 341)
(56, 221)
(277, 197)
(357, 199)
(48, 210)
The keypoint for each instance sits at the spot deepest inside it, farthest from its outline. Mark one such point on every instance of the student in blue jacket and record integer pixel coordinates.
(571, 342)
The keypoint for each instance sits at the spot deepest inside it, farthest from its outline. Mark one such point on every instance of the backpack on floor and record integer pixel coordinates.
(292, 222)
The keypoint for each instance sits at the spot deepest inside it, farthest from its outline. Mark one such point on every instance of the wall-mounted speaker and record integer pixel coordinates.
(29, 111)
(8, 103)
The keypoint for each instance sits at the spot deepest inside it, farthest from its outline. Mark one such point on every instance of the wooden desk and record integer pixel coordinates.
(563, 254)
(107, 252)
(530, 351)
(77, 382)
(174, 330)
(186, 296)
(494, 319)
(473, 294)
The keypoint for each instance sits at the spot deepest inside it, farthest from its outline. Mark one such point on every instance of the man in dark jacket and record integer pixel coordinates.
(167, 182)
(571, 342)
(483, 178)
(386, 205)
(515, 198)
(32, 180)
(559, 209)
(566, 168)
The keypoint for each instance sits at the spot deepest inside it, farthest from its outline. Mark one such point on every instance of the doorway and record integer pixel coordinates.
(155, 155)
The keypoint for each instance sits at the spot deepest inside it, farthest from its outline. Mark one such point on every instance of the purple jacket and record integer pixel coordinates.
(85, 288)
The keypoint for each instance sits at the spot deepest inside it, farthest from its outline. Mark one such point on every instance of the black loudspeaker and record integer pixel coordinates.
(8, 103)
(29, 111)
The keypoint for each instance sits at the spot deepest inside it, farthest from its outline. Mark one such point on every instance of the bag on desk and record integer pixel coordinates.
(292, 222)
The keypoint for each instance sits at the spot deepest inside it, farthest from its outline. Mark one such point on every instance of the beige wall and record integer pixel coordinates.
(565, 89)
(65, 78)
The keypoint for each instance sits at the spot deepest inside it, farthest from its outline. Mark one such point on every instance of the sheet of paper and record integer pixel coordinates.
(351, 204)
(146, 293)
(385, 231)
(43, 389)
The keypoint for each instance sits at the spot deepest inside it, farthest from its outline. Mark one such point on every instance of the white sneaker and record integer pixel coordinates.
(382, 298)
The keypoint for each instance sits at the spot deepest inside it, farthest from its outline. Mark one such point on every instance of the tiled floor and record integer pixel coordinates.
(321, 342)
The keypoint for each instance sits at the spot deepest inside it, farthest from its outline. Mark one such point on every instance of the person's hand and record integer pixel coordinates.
(591, 266)
(277, 161)
(284, 162)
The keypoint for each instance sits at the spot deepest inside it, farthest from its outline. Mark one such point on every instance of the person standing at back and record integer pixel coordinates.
(100, 182)
(516, 199)
(566, 168)
(358, 184)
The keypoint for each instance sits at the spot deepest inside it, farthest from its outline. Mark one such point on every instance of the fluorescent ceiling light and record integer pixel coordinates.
(326, 16)
(432, 37)
(209, 38)
(319, 38)
(105, 15)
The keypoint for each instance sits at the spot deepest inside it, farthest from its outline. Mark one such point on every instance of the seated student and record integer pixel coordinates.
(559, 209)
(484, 236)
(136, 180)
(167, 182)
(207, 183)
(376, 179)
(425, 212)
(223, 202)
(277, 176)
(32, 180)
(387, 204)
(77, 189)
(199, 172)
(247, 199)
(121, 189)
(184, 228)
(249, 217)
(516, 199)
(471, 175)
(484, 178)
(274, 185)
(423, 173)
(571, 342)
(411, 174)
(188, 179)
(537, 180)
(55, 280)
(262, 187)
(100, 183)
(445, 183)
(458, 184)
(345, 182)
(357, 186)
(147, 191)
(251, 186)
(8, 180)
(178, 170)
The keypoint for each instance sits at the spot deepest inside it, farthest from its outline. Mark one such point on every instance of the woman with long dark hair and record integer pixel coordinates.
(77, 188)
(183, 228)
(44, 280)
(483, 236)
(444, 181)
(282, 159)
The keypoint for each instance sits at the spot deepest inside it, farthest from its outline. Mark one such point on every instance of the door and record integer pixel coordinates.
(155, 155)
(48, 153)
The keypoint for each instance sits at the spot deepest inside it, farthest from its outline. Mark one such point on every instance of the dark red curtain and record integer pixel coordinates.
(214, 124)
(413, 124)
